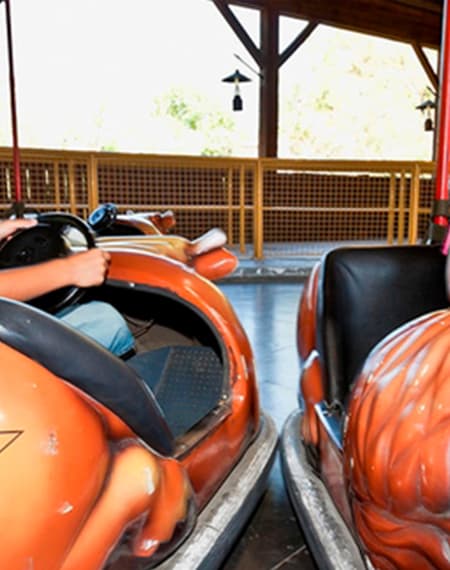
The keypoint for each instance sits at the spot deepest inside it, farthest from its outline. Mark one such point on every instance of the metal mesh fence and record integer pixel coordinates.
(201, 193)
(315, 207)
(47, 184)
(287, 207)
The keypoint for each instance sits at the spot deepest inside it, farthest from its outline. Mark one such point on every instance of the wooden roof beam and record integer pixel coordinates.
(406, 22)
(224, 9)
(269, 62)
(428, 68)
(297, 42)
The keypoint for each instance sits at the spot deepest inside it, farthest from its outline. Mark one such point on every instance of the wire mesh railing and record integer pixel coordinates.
(266, 206)
(311, 203)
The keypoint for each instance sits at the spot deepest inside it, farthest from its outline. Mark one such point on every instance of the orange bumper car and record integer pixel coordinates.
(157, 460)
(366, 455)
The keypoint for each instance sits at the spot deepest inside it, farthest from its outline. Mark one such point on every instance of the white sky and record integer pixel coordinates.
(76, 55)
(85, 63)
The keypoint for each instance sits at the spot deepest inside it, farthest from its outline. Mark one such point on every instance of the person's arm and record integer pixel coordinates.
(84, 269)
(8, 227)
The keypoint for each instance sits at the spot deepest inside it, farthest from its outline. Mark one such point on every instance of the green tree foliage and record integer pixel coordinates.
(354, 96)
(192, 113)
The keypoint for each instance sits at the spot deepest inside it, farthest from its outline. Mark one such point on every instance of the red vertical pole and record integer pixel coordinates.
(12, 89)
(443, 138)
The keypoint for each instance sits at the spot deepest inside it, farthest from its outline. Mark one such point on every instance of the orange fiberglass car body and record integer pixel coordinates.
(366, 456)
(151, 231)
(111, 463)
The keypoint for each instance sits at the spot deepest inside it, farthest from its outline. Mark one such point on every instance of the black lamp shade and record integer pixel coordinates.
(425, 105)
(237, 103)
(236, 77)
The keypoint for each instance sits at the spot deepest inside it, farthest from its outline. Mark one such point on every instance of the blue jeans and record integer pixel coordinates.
(101, 322)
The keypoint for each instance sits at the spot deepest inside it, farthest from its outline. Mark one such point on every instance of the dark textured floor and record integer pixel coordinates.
(272, 539)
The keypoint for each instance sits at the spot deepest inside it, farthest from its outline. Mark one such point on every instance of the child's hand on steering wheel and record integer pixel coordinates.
(88, 268)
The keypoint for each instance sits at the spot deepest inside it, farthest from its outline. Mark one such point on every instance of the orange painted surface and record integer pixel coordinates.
(210, 461)
(136, 490)
(311, 381)
(80, 473)
(306, 321)
(397, 447)
(52, 470)
(215, 264)
(69, 490)
(311, 386)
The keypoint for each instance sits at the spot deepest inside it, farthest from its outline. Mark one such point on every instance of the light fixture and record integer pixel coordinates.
(237, 78)
(427, 107)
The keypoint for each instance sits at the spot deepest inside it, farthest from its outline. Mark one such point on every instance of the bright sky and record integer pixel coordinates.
(88, 70)
(115, 56)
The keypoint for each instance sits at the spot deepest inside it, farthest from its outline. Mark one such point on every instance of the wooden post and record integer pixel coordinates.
(92, 182)
(391, 206)
(242, 210)
(414, 205)
(401, 209)
(268, 117)
(258, 212)
(72, 194)
(230, 205)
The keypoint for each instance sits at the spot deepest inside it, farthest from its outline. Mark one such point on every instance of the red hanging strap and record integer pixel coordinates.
(443, 129)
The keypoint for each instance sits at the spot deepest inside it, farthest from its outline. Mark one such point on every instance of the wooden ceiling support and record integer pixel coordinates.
(402, 20)
(236, 26)
(297, 42)
(417, 22)
(428, 68)
(269, 61)
(268, 115)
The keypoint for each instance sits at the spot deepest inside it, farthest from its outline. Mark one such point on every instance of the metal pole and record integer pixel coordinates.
(440, 208)
(18, 205)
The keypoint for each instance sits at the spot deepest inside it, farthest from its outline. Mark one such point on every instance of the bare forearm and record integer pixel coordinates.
(86, 269)
(24, 283)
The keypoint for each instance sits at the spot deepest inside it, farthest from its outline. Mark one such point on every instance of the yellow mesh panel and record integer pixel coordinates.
(269, 206)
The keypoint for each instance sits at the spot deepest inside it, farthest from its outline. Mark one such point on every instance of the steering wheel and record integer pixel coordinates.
(45, 241)
(103, 217)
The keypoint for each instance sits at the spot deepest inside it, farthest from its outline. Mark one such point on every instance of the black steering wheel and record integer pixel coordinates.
(47, 240)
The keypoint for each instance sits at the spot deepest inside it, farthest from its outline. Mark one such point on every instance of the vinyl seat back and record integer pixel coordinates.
(364, 294)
